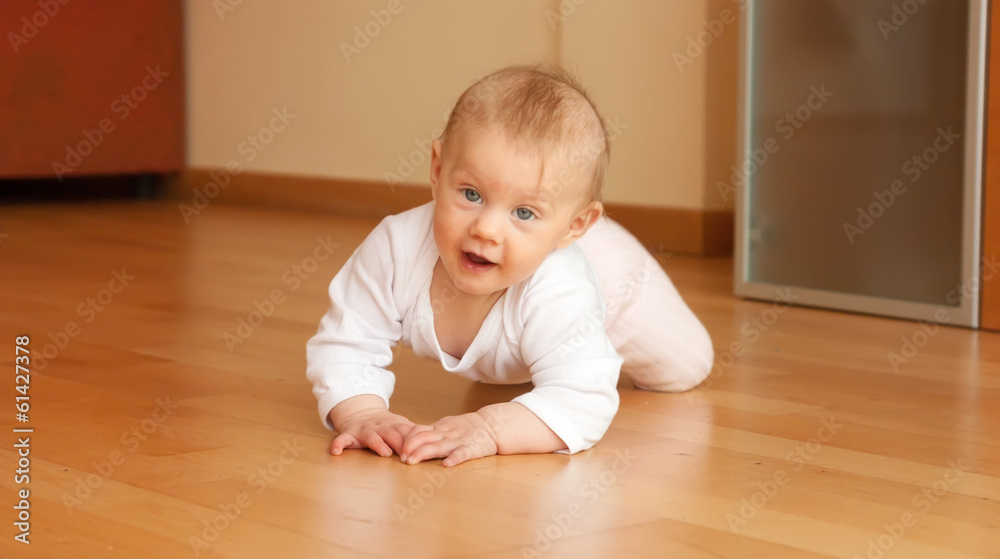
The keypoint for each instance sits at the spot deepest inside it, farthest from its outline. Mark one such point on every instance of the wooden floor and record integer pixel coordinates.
(156, 434)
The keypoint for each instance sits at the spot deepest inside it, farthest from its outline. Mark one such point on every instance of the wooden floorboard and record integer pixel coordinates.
(807, 441)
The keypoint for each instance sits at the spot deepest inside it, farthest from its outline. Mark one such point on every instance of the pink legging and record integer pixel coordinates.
(664, 345)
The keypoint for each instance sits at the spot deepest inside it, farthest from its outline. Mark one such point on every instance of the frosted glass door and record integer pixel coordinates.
(861, 153)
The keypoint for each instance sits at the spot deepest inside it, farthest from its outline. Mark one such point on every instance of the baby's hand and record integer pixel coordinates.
(455, 438)
(374, 428)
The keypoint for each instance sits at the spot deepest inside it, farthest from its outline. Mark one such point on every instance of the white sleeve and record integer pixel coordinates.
(573, 365)
(348, 355)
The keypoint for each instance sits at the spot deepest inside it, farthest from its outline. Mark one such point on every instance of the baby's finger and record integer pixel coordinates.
(414, 429)
(372, 440)
(403, 428)
(394, 436)
(342, 441)
(461, 454)
(417, 437)
(431, 450)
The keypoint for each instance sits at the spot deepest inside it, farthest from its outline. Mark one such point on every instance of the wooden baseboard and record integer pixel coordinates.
(299, 192)
(680, 230)
(672, 230)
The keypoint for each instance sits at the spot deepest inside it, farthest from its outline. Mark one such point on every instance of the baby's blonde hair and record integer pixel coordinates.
(543, 106)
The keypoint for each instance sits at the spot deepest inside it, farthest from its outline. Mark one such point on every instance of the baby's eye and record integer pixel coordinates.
(471, 195)
(524, 214)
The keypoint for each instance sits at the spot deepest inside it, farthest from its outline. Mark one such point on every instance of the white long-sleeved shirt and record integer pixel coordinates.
(548, 329)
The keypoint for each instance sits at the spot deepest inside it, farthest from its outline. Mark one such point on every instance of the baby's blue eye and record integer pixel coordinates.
(471, 195)
(524, 214)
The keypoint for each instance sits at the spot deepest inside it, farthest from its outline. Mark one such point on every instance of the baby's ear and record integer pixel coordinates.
(435, 166)
(581, 223)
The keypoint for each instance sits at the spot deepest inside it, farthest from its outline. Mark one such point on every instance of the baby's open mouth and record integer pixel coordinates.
(476, 259)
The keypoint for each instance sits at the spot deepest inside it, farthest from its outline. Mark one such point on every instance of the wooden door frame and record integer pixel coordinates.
(990, 299)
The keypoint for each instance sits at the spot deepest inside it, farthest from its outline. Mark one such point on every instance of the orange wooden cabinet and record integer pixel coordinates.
(91, 88)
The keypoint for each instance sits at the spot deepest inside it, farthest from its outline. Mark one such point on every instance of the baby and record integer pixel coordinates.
(511, 274)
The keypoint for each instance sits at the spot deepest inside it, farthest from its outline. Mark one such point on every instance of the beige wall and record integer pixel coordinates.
(356, 118)
(670, 152)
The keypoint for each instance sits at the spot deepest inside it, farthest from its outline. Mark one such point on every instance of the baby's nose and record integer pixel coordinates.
(488, 226)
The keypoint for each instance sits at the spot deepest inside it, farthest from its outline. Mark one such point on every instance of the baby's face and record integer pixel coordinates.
(494, 223)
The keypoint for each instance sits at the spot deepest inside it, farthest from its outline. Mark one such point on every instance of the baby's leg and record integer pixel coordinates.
(664, 345)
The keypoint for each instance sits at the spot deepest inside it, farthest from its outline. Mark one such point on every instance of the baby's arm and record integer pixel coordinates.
(506, 428)
(348, 356)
